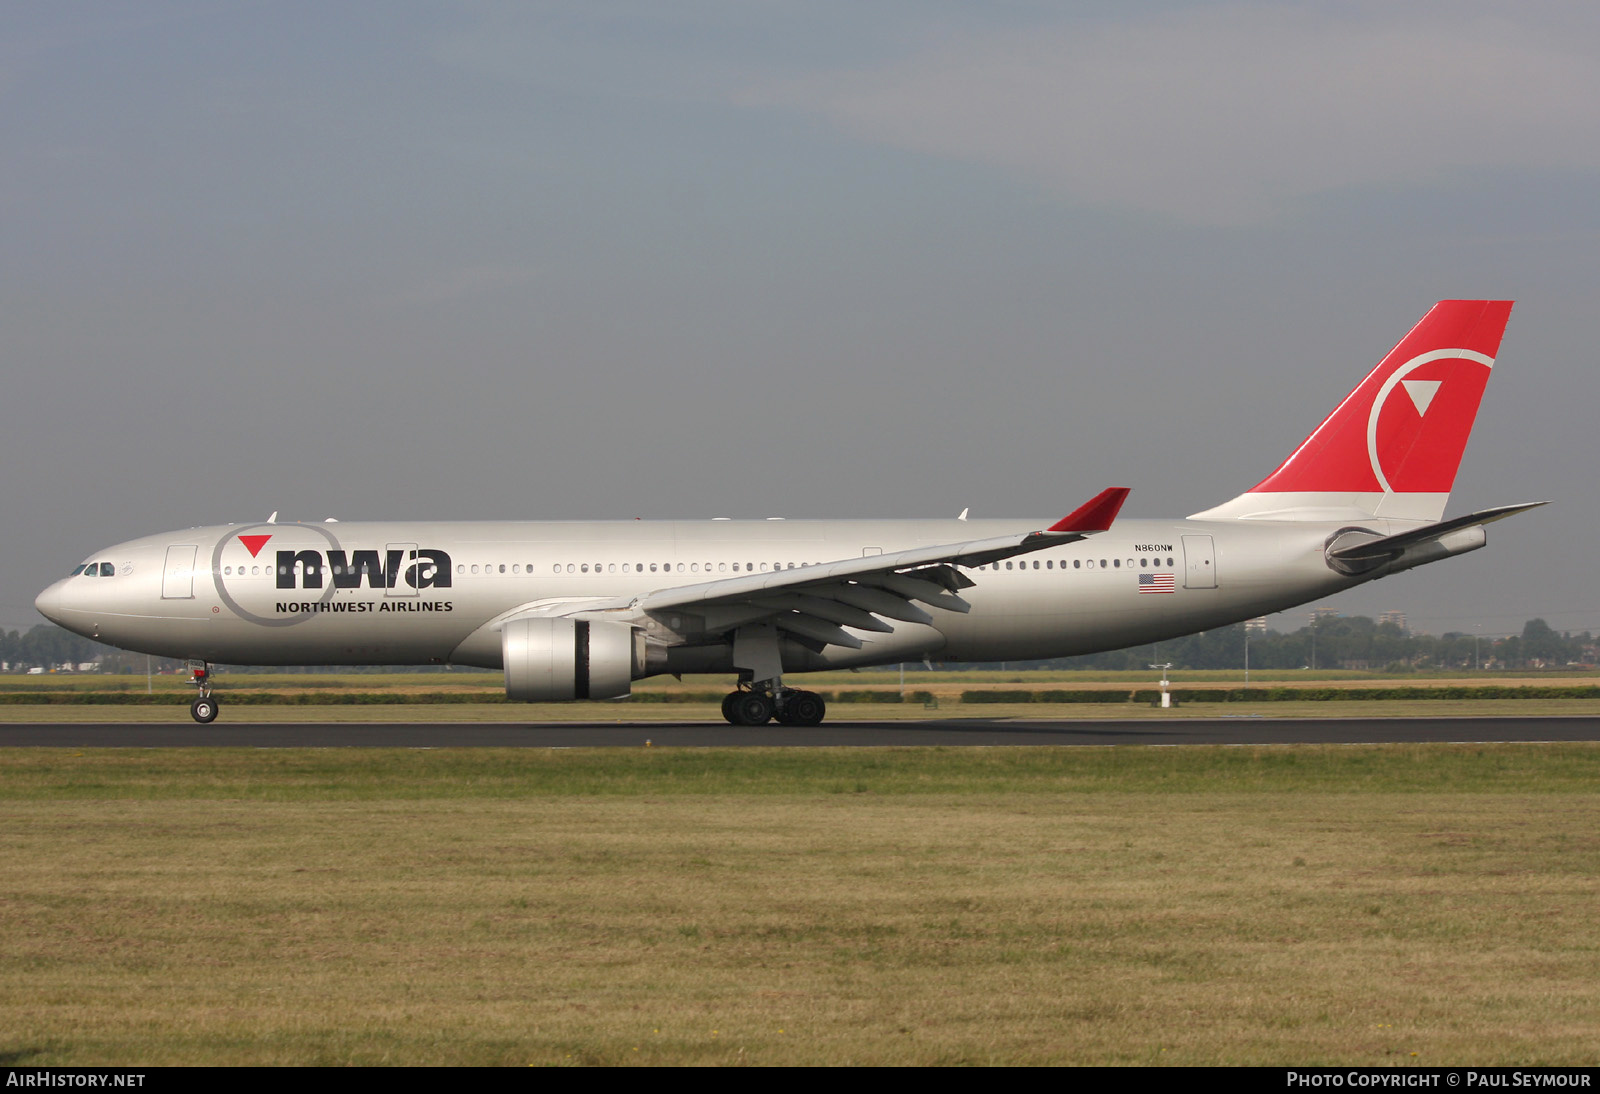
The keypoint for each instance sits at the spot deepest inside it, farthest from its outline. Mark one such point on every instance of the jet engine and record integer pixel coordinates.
(553, 660)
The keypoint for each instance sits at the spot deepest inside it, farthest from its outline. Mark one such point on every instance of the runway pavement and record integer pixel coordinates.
(952, 732)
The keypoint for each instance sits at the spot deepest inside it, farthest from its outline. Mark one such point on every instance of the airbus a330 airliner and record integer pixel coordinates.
(580, 610)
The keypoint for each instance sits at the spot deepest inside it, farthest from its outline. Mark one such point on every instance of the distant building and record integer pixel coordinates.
(1398, 618)
(1320, 614)
(1258, 625)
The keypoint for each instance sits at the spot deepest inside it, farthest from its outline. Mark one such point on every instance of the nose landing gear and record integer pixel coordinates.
(204, 707)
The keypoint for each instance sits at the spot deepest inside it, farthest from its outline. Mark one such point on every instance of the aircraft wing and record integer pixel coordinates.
(815, 603)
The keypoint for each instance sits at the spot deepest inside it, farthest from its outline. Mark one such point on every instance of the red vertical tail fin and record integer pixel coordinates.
(1391, 448)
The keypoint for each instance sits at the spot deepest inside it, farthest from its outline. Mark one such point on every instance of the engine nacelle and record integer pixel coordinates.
(553, 660)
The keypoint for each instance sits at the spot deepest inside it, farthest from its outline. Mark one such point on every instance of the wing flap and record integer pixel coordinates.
(914, 587)
(878, 601)
(832, 611)
(819, 629)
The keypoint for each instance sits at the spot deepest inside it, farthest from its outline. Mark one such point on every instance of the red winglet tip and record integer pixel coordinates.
(1094, 515)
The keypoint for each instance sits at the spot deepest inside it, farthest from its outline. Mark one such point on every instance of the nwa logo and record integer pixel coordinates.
(418, 569)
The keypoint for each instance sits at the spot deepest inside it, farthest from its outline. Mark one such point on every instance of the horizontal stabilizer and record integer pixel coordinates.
(1385, 547)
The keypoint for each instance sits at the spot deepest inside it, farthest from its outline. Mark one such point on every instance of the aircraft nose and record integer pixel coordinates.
(49, 603)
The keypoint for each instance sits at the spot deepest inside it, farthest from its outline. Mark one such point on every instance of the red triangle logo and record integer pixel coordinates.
(254, 543)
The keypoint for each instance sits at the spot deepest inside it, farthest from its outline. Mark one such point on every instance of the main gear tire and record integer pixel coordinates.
(751, 709)
(805, 708)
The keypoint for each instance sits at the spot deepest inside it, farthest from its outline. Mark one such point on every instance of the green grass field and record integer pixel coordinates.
(1352, 905)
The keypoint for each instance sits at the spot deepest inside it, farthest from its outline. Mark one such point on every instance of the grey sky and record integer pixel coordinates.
(632, 259)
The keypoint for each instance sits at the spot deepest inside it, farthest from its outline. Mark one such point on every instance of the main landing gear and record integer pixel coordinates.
(204, 707)
(756, 705)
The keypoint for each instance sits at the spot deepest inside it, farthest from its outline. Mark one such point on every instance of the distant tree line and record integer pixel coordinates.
(47, 646)
(1354, 641)
(1342, 642)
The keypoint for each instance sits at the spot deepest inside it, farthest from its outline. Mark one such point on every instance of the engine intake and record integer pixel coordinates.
(553, 660)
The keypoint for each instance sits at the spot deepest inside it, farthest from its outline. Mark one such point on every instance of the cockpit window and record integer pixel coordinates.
(79, 570)
(108, 569)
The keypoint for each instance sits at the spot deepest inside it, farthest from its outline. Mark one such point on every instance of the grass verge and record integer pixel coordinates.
(1351, 905)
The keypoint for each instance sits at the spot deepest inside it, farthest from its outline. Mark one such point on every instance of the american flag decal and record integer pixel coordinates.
(1158, 583)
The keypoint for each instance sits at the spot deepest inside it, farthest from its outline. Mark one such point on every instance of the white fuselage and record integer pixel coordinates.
(432, 593)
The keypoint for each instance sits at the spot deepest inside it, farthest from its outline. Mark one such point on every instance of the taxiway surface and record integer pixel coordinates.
(951, 732)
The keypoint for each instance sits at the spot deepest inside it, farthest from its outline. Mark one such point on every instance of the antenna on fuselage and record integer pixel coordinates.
(964, 513)
(273, 519)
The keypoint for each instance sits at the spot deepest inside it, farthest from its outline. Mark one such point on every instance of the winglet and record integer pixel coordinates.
(1095, 515)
